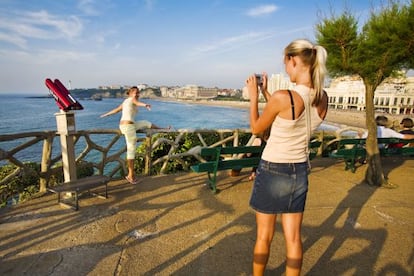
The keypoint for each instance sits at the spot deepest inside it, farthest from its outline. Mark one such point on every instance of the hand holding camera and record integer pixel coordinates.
(259, 79)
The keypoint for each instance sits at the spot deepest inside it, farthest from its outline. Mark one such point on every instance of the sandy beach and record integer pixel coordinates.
(335, 116)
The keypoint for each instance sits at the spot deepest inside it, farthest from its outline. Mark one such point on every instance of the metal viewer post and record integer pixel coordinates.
(66, 128)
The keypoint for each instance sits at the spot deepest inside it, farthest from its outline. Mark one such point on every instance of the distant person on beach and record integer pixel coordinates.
(281, 183)
(129, 126)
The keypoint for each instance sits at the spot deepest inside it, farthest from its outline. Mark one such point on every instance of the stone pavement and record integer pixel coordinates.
(173, 225)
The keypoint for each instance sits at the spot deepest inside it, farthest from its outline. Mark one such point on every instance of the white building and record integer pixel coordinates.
(395, 96)
(278, 82)
(195, 92)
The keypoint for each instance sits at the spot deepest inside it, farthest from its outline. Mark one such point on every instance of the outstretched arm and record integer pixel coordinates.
(408, 136)
(138, 103)
(113, 111)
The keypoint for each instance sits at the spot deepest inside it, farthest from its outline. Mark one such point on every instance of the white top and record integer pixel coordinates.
(288, 141)
(129, 110)
(384, 132)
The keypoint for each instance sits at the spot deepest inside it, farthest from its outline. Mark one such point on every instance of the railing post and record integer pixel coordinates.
(44, 167)
(148, 146)
(236, 138)
(321, 138)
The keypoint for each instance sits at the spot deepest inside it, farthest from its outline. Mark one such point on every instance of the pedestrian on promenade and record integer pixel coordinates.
(385, 132)
(281, 182)
(129, 126)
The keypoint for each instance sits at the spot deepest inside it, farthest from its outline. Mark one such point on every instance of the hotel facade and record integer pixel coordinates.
(189, 92)
(394, 96)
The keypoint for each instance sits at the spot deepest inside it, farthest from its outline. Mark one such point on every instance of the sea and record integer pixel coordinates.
(24, 113)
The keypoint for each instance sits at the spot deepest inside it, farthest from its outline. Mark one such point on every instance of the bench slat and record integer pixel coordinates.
(242, 149)
(81, 185)
(204, 167)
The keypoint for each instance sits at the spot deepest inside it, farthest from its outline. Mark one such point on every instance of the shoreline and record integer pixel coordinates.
(342, 118)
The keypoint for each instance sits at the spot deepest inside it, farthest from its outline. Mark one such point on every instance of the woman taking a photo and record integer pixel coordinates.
(281, 182)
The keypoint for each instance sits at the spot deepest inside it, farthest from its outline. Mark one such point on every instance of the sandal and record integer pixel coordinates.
(131, 181)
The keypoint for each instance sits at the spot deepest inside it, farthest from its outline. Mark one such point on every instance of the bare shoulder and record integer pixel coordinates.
(280, 95)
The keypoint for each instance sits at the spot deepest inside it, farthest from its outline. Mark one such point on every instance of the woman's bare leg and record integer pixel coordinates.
(131, 172)
(292, 224)
(265, 230)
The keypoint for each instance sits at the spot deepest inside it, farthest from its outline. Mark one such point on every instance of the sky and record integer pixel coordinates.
(211, 43)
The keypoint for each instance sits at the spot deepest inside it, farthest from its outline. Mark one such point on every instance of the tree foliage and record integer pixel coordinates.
(383, 46)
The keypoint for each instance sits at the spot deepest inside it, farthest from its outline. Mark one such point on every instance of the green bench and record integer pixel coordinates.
(79, 186)
(217, 159)
(237, 161)
(353, 150)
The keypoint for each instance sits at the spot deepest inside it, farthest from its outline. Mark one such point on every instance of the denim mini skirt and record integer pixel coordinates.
(280, 187)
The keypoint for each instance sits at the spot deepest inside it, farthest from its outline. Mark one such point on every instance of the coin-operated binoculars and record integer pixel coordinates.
(65, 121)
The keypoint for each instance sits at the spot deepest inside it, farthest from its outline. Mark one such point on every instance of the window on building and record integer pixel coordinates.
(395, 101)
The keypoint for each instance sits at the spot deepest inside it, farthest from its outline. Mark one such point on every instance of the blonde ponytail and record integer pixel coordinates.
(314, 56)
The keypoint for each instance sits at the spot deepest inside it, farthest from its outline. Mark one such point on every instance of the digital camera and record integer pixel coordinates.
(259, 79)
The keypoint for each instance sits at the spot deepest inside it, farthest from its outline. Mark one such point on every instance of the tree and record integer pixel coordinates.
(380, 49)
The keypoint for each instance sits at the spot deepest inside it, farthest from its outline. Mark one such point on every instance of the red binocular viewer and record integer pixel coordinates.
(64, 100)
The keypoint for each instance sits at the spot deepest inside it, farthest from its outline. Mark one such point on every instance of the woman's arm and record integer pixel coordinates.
(258, 123)
(113, 111)
(138, 103)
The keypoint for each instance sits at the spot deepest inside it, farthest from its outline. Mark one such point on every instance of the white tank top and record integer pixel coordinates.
(288, 140)
(129, 110)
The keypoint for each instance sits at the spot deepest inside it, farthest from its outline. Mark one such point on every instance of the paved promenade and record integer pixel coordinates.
(173, 225)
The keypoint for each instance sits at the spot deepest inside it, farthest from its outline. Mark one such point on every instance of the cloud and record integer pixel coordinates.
(233, 42)
(45, 57)
(262, 10)
(88, 7)
(70, 26)
(13, 39)
(228, 42)
(39, 25)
